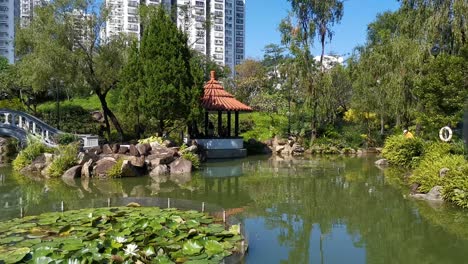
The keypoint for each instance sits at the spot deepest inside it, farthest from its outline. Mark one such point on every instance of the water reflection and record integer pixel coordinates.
(327, 210)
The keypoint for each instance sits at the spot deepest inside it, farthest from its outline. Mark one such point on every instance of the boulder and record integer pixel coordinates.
(83, 157)
(143, 149)
(103, 166)
(128, 170)
(86, 169)
(191, 149)
(168, 143)
(155, 144)
(73, 172)
(133, 151)
(165, 155)
(381, 162)
(180, 166)
(434, 195)
(115, 148)
(123, 149)
(297, 149)
(95, 150)
(159, 170)
(414, 188)
(136, 161)
(106, 149)
(279, 149)
(443, 172)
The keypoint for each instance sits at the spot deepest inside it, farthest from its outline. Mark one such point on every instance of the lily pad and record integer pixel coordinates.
(191, 248)
(213, 247)
(15, 255)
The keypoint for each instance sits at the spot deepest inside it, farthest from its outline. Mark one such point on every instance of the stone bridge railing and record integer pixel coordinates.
(19, 125)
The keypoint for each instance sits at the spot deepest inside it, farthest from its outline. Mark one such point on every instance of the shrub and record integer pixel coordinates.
(151, 140)
(456, 186)
(116, 170)
(66, 138)
(402, 151)
(191, 157)
(436, 156)
(30, 153)
(73, 118)
(65, 159)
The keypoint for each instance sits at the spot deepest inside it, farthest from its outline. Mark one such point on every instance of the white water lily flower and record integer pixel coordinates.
(120, 240)
(131, 249)
(73, 261)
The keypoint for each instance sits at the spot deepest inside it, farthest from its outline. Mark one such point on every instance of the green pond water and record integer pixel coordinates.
(318, 210)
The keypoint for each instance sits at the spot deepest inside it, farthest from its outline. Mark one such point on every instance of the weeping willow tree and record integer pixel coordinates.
(308, 20)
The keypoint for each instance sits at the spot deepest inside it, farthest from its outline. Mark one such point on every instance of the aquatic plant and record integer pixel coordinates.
(142, 234)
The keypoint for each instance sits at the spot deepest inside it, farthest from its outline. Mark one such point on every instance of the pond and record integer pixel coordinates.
(318, 210)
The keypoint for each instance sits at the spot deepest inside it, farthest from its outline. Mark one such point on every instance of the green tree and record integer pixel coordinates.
(162, 70)
(62, 44)
(308, 20)
(250, 80)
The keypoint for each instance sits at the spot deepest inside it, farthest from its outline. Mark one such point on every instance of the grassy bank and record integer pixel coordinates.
(432, 164)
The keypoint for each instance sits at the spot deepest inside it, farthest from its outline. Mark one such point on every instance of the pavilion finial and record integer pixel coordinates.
(213, 75)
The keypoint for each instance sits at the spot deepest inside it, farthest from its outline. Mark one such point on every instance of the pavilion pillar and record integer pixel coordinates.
(206, 122)
(220, 123)
(228, 124)
(236, 123)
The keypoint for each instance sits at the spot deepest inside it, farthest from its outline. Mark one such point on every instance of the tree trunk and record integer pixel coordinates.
(322, 41)
(382, 125)
(109, 114)
(161, 127)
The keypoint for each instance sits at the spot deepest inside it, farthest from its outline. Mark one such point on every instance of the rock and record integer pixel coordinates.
(123, 149)
(136, 161)
(86, 169)
(48, 157)
(143, 149)
(379, 150)
(159, 170)
(83, 157)
(443, 172)
(155, 145)
(106, 149)
(279, 149)
(435, 194)
(180, 166)
(95, 150)
(168, 143)
(115, 148)
(191, 149)
(133, 151)
(381, 162)
(165, 155)
(268, 142)
(103, 166)
(128, 170)
(73, 172)
(98, 116)
(297, 148)
(414, 188)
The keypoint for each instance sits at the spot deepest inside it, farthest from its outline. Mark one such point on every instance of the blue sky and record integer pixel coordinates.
(264, 16)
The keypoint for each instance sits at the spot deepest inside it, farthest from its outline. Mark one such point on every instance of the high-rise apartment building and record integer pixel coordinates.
(10, 12)
(123, 16)
(26, 11)
(7, 29)
(214, 27)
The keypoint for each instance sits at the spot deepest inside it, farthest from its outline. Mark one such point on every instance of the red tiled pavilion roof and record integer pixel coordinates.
(215, 98)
